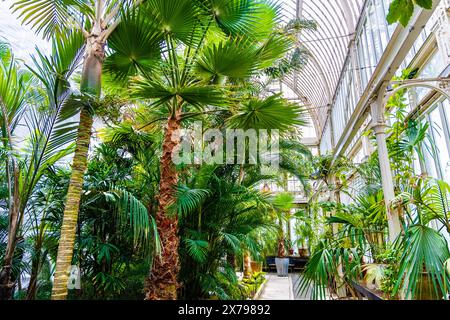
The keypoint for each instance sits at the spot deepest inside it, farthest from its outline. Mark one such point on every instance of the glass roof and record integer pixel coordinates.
(328, 47)
(312, 87)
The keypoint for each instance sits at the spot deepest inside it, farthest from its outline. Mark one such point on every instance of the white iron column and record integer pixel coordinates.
(379, 127)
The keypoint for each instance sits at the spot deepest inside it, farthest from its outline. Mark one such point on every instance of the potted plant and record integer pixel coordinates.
(281, 261)
(304, 232)
(303, 252)
(283, 202)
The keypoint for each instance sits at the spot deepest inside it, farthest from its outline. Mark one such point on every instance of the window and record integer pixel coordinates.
(437, 153)
(432, 69)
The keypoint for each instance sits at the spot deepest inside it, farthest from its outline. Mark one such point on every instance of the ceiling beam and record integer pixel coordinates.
(395, 53)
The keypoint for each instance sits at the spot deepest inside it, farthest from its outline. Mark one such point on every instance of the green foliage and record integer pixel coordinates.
(424, 250)
(402, 10)
(272, 113)
(250, 286)
(229, 219)
(188, 199)
(135, 46)
(190, 56)
(284, 201)
(50, 16)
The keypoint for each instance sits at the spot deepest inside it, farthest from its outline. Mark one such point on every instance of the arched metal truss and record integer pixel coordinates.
(440, 85)
(328, 49)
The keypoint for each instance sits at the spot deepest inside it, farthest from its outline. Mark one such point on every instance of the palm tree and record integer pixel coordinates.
(219, 215)
(283, 204)
(186, 54)
(54, 19)
(44, 109)
(13, 89)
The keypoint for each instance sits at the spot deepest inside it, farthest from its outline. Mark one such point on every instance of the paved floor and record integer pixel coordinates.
(278, 288)
(299, 294)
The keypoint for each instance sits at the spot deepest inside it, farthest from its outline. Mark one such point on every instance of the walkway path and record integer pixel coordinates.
(278, 288)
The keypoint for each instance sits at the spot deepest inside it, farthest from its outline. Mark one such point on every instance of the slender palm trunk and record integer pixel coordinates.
(70, 218)
(162, 283)
(6, 285)
(36, 263)
(32, 285)
(340, 284)
(91, 84)
(281, 250)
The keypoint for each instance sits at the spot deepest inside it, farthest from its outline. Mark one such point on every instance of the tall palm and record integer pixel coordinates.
(13, 90)
(186, 54)
(96, 20)
(43, 110)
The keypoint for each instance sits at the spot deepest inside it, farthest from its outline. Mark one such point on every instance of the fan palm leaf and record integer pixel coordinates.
(135, 44)
(270, 113)
(424, 250)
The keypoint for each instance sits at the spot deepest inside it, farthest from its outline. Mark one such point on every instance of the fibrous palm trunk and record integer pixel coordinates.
(90, 84)
(162, 283)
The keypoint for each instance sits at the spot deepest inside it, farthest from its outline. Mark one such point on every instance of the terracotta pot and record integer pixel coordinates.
(303, 252)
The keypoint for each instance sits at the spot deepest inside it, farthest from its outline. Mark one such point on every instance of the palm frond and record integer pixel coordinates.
(177, 19)
(272, 113)
(188, 200)
(197, 249)
(145, 233)
(424, 250)
(135, 44)
(234, 59)
(235, 17)
(319, 271)
(50, 16)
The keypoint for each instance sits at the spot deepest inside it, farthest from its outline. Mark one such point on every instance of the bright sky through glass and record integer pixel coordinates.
(20, 37)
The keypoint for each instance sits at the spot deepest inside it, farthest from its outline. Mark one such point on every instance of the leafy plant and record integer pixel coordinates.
(402, 10)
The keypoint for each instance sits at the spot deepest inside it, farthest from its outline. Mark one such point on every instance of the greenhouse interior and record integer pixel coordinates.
(211, 150)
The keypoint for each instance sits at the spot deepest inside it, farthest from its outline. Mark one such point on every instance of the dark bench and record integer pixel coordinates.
(295, 263)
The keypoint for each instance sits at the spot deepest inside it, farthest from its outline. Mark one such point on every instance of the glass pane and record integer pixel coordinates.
(441, 145)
